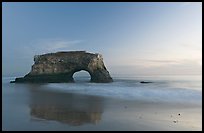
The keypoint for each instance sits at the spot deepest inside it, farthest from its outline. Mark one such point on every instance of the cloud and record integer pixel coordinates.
(153, 62)
(160, 61)
(62, 45)
(148, 63)
(50, 45)
(192, 45)
(183, 4)
(169, 67)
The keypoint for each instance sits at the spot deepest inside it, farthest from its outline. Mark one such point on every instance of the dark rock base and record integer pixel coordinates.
(54, 78)
(51, 78)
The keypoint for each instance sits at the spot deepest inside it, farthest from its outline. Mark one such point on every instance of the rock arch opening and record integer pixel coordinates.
(81, 76)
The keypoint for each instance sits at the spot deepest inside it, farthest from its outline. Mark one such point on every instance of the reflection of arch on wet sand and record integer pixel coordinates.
(69, 108)
(65, 115)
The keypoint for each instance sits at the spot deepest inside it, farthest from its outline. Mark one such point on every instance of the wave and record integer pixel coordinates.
(132, 90)
(166, 90)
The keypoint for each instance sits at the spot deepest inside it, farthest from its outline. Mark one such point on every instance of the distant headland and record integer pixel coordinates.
(60, 67)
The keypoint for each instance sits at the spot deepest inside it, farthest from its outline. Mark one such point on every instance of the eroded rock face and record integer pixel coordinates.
(60, 67)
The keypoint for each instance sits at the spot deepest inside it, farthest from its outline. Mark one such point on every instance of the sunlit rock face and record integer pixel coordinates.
(60, 67)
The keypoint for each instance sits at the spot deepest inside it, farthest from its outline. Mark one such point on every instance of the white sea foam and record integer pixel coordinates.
(133, 90)
(165, 90)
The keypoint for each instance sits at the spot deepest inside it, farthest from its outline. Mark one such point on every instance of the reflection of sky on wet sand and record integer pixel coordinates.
(72, 109)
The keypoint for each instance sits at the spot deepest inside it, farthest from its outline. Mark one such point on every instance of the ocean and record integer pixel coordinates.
(101, 106)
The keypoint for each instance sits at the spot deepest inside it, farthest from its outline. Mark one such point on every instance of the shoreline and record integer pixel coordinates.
(47, 107)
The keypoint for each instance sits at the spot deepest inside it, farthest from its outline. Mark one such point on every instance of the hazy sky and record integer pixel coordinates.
(134, 38)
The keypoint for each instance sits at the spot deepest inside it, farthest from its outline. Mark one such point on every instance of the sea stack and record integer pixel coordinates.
(60, 67)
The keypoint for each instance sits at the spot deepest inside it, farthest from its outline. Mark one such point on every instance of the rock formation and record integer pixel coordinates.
(60, 67)
(145, 82)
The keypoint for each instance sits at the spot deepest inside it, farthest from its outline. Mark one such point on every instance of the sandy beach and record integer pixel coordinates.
(41, 108)
(148, 116)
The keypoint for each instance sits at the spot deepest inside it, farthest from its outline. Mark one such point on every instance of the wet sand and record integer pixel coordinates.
(32, 107)
(148, 116)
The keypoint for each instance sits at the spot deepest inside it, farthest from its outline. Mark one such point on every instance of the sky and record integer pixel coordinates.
(134, 37)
